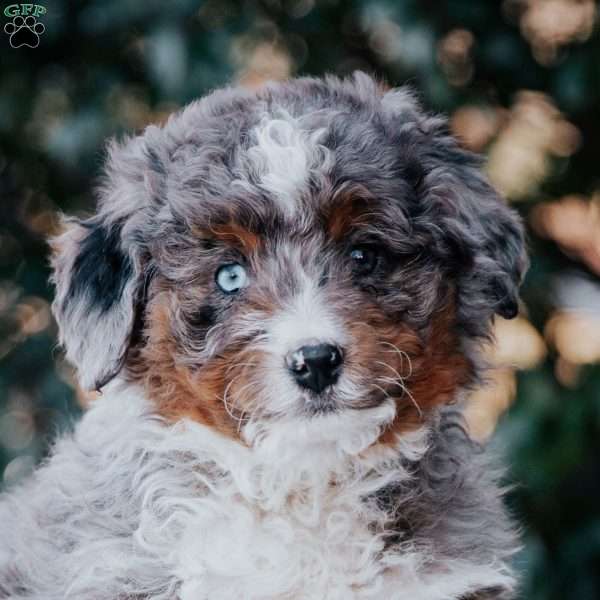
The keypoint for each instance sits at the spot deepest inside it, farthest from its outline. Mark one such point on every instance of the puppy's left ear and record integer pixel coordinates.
(471, 228)
(480, 233)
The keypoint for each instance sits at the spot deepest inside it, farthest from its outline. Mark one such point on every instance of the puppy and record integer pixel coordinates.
(279, 296)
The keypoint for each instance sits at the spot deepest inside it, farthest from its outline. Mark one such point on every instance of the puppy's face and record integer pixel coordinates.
(268, 313)
(315, 248)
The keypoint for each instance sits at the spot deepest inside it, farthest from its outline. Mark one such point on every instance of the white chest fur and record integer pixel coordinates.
(130, 506)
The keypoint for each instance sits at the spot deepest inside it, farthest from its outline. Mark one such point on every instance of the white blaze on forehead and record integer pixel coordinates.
(284, 156)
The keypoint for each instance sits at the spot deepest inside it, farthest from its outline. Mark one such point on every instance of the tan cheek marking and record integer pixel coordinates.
(199, 394)
(177, 390)
(437, 368)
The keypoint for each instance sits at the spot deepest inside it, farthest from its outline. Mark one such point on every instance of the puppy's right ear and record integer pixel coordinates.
(98, 285)
(100, 264)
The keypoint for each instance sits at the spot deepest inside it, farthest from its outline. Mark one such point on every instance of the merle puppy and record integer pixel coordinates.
(279, 295)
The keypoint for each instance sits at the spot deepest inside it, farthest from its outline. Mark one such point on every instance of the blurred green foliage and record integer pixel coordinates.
(105, 67)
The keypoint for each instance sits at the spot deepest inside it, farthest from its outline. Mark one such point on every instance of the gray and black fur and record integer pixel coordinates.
(263, 179)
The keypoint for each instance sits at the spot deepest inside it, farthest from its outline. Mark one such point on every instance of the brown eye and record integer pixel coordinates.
(364, 259)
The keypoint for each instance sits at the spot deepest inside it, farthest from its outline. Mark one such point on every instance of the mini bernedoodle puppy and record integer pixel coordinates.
(281, 294)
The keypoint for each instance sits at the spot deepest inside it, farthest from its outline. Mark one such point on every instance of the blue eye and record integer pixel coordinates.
(231, 278)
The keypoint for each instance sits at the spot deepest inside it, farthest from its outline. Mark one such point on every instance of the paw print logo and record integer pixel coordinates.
(24, 31)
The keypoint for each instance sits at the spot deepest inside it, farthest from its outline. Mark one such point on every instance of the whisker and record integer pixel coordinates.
(380, 362)
(244, 418)
(403, 355)
(236, 365)
(400, 383)
(224, 400)
(381, 390)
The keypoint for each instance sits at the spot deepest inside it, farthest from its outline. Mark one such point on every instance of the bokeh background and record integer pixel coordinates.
(520, 81)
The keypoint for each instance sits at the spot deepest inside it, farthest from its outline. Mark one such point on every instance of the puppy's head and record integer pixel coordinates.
(317, 247)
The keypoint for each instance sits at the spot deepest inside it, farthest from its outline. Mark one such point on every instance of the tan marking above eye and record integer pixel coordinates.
(347, 207)
(233, 234)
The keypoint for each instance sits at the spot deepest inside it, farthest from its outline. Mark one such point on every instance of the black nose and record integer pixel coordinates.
(315, 367)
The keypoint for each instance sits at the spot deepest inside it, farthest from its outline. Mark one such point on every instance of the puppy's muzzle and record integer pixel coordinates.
(315, 367)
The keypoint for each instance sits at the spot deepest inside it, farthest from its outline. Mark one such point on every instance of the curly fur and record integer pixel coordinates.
(130, 508)
(204, 471)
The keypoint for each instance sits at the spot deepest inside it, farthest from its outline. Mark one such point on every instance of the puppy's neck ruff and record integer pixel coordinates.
(131, 506)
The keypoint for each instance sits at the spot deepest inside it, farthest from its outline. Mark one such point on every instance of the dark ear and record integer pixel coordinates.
(99, 264)
(98, 285)
(480, 232)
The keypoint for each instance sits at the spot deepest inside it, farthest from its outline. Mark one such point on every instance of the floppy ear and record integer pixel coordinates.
(480, 232)
(99, 264)
(98, 285)
(474, 232)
